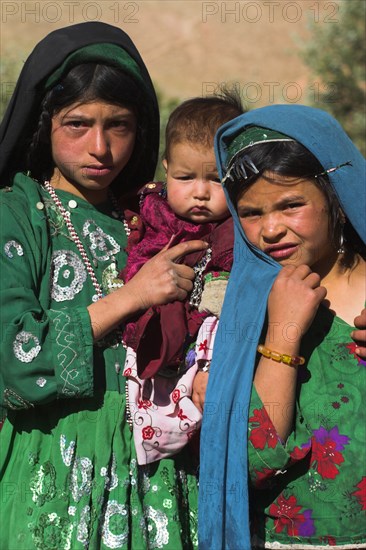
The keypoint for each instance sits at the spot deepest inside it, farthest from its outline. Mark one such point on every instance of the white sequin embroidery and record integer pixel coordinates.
(21, 338)
(67, 453)
(13, 244)
(111, 540)
(41, 382)
(81, 469)
(157, 526)
(111, 482)
(102, 246)
(83, 531)
(60, 260)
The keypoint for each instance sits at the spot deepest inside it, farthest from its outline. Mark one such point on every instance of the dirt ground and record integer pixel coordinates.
(192, 46)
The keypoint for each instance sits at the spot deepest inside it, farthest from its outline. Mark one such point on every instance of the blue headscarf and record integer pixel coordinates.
(223, 505)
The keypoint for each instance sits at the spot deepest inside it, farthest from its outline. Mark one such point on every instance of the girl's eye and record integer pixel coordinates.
(249, 213)
(75, 123)
(120, 124)
(293, 205)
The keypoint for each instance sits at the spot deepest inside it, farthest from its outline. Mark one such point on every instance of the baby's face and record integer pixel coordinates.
(194, 191)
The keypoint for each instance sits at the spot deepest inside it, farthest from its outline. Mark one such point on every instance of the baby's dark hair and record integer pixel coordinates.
(197, 120)
(83, 83)
(292, 159)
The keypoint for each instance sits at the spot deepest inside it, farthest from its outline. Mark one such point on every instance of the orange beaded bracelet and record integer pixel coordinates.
(291, 360)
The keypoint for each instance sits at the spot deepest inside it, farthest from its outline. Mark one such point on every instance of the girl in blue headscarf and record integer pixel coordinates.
(295, 429)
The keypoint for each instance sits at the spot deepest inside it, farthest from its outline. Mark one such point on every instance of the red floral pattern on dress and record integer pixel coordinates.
(352, 349)
(262, 476)
(298, 454)
(127, 372)
(264, 432)
(148, 432)
(286, 512)
(203, 346)
(176, 396)
(360, 494)
(330, 541)
(326, 451)
(181, 415)
(144, 404)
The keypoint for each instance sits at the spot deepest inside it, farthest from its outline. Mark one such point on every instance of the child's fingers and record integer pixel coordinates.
(182, 249)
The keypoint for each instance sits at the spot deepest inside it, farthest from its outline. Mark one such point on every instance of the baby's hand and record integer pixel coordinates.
(360, 335)
(199, 389)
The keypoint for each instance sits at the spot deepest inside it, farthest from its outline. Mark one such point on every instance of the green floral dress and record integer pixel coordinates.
(310, 492)
(69, 476)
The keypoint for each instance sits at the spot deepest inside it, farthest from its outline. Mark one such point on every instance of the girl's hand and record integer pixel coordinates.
(199, 389)
(161, 280)
(158, 282)
(360, 335)
(292, 304)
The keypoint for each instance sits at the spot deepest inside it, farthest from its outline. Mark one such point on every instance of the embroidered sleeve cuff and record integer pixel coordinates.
(73, 352)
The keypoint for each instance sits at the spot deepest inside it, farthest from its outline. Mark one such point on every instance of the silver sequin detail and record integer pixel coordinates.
(21, 338)
(111, 481)
(41, 382)
(13, 244)
(158, 524)
(82, 469)
(102, 245)
(111, 540)
(60, 259)
(67, 453)
(83, 531)
(71, 510)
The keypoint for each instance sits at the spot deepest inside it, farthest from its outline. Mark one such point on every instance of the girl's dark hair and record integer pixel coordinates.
(292, 159)
(84, 83)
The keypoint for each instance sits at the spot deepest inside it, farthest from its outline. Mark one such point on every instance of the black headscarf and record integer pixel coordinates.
(49, 54)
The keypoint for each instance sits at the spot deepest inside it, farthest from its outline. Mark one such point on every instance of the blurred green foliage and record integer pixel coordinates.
(336, 54)
(166, 106)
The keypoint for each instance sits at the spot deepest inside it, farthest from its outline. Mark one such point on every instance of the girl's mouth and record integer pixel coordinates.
(95, 171)
(282, 251)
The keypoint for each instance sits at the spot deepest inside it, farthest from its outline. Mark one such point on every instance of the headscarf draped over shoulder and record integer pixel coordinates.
(223, 506)
(51, 59)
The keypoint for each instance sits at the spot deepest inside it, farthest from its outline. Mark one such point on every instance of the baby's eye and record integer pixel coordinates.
(186, 177)
(216, 181)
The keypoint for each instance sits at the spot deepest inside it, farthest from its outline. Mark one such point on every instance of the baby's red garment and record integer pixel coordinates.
(161, 335)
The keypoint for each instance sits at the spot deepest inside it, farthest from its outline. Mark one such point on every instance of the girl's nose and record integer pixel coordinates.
(99, 142)
(273, 228)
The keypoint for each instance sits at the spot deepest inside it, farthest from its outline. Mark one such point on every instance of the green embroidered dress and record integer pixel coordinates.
(311, 491)
(69, 476)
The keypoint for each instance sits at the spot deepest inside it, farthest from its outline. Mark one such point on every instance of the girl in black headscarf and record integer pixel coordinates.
(80, 136)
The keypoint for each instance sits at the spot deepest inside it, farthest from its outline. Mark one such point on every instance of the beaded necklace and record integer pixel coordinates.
(116, 213)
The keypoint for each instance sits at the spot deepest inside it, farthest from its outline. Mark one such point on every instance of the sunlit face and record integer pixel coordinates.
(288, 219)
(91, 144)
(194, 190)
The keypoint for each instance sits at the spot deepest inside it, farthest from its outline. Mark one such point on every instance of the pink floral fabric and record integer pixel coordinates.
(161, 411)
